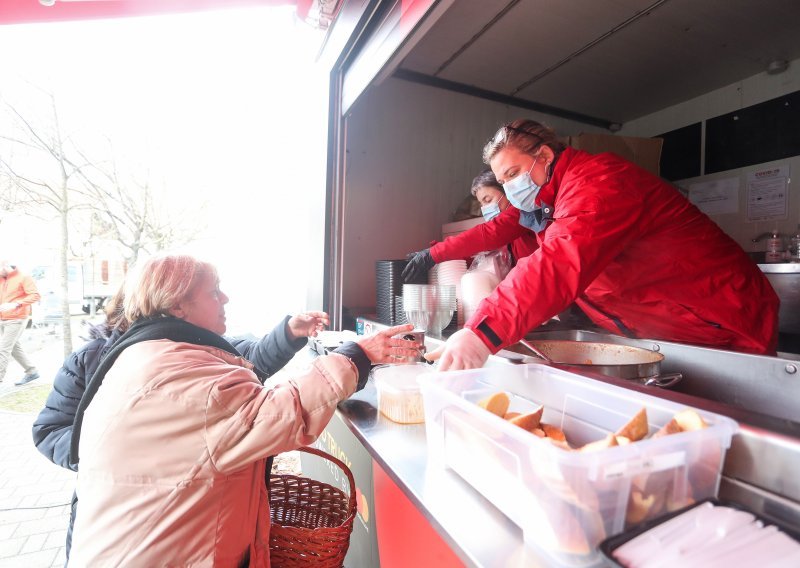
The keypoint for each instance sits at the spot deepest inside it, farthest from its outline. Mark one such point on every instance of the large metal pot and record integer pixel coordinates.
(623, 361)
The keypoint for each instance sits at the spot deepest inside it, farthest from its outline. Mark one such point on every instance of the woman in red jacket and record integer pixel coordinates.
(501, 228)
(637, 257)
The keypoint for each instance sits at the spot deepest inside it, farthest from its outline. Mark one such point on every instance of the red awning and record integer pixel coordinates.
(33, 11)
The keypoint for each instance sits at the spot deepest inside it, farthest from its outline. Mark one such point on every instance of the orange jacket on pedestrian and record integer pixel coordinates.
(18, 288)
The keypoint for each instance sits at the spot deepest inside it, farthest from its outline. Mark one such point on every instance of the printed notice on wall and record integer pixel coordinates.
(716, 196)
(768, 194)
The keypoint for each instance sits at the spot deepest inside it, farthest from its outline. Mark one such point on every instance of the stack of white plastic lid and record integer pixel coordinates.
(449, 273)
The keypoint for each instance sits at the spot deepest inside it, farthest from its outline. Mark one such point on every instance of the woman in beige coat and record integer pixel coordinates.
(173, 437)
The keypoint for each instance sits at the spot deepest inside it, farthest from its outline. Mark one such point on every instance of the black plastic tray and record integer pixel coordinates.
(609, 545)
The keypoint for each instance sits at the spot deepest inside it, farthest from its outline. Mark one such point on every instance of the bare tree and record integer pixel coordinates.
(44, 173)
(134, 214)
(44, 190)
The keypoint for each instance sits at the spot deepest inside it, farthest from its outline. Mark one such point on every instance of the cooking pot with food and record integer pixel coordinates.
(622, 361)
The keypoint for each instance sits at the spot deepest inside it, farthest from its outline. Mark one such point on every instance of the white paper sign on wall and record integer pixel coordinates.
(717, 196)
(768, 193)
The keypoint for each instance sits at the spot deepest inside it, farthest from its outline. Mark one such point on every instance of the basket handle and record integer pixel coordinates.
(342, 466)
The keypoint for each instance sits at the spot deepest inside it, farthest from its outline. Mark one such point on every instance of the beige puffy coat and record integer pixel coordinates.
(172, 454)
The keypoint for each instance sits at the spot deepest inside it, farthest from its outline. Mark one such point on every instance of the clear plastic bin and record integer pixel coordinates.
(567, 502)
(399, 396)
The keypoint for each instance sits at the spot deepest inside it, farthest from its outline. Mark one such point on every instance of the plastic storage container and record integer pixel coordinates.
(774, 247)
(567, 502)
(399, 395)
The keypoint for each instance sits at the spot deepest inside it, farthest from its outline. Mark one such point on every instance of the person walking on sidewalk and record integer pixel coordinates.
(17, 293)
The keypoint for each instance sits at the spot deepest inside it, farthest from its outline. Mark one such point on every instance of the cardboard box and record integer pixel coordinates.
(457, 227)
(644, 152)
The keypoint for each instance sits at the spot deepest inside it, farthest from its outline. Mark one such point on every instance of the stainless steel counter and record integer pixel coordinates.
(757, 383)
(477, 532)
(780, 268)
(785, 280)
(760, 472)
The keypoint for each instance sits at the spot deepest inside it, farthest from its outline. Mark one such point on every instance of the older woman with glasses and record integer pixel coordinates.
(635, 255)
(173, 430)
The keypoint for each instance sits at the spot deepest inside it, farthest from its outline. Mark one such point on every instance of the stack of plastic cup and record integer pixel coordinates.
(450, 272)
(429, 307)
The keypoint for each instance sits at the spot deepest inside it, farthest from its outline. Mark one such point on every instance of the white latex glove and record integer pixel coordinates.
(463, 350)
(8, 306)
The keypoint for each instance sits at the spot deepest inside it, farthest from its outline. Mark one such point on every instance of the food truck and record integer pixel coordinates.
(705, 94)
(417, 88)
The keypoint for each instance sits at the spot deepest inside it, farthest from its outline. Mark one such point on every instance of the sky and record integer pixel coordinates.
(226, 108)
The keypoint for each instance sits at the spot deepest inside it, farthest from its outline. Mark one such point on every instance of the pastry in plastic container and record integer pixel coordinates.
(399, 395)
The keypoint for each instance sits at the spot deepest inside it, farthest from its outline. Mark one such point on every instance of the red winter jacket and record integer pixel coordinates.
(500, 231)
(639, 259)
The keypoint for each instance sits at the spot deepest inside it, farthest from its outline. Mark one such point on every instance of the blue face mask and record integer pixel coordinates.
(490, 211)
(522, 190)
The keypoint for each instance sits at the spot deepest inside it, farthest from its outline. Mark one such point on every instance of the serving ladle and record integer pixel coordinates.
(535, 351)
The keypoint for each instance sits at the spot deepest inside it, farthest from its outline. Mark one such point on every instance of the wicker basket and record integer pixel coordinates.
(311, 521)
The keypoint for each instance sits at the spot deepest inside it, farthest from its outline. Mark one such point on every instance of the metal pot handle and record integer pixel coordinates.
(663, 381)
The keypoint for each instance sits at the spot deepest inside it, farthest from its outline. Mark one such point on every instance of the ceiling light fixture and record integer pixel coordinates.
(47, 2)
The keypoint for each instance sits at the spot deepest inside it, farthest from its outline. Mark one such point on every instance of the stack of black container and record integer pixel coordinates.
(389, 291)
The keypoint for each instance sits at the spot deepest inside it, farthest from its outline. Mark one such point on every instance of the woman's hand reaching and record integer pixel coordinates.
(307, 324)
(383, 347)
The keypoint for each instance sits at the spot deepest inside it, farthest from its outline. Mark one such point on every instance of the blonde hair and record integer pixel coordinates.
(525, 135)
(115, 310)
(162, 282)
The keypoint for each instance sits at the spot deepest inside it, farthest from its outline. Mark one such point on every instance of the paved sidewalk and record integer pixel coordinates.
(34, 493)
(34, 499)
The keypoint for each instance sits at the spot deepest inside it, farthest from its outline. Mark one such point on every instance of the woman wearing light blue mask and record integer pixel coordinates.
(492, 199)
(522, 190)
(502, 228)
(632, 252)
(522, 186)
